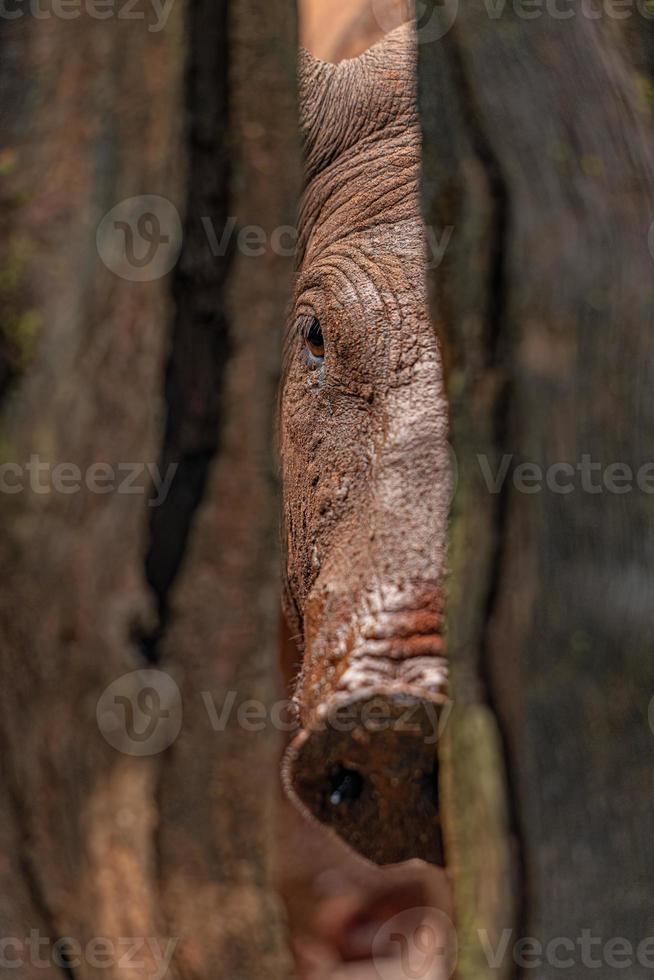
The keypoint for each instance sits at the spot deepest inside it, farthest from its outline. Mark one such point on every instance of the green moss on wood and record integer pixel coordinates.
(20, 323)
(21, 332)
(477, 837)
(644, 82)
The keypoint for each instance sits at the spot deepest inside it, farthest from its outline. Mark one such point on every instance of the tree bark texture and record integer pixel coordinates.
(538, 153)
(97, 368)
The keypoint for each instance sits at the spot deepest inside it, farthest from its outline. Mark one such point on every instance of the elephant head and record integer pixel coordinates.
(366, 471)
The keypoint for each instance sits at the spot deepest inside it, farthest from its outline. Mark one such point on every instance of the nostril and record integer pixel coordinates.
(344, 784)
(374, 780)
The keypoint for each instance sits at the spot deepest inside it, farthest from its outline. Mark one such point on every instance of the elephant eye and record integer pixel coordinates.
(313, 338)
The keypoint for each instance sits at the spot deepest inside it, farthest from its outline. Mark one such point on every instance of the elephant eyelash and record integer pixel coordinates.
(310, 330)
(313, 350)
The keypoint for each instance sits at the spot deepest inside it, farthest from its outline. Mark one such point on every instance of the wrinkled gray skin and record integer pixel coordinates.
(365, 465)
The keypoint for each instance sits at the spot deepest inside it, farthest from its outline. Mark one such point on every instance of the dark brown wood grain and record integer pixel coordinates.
(538, 150)
(91, 115)
(171, 847)
(218, 790)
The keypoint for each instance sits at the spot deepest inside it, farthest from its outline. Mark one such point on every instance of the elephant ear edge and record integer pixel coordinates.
(343, 103)
(315, 78)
